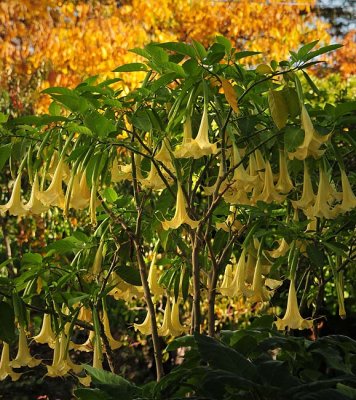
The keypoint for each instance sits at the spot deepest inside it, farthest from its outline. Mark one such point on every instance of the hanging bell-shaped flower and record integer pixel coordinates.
(114, 344)
(348, 198)
(284, 184)
(269, 192)
(23, 357)
(167, 326)
(259, 291)
(176, 324)
(80, 193)
(5, 365)
(321, 208)
(308, 196)
(54, 195)
(155, 288)
(145, 326)
(281, 250)
(312, 140)
(15, 206)
(180, 216)
(35, 206)
(292, 318)
(46, 334)
(200, 146)
(121, 173)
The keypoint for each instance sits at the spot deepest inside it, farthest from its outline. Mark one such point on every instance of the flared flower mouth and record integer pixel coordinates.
(23, 357)
(200, 146)
(15, 206)
(54, 195)
(46, 334)
(181, 215)
(312, 140)
(5, 364)
(145, 327)
(34, 205)
(292, 318)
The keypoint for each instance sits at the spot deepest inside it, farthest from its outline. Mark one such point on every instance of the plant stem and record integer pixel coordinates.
(155, 338)
(196, 319)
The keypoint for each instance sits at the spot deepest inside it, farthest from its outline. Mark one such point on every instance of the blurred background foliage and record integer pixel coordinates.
(46, 43)
(58, 43)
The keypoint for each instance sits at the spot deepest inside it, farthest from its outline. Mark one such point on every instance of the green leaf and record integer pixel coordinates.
(292, 99)
(76, 128)
(181, 48)
(311, 83)
(184, 341)
(109, 195)
(113, 384)
(162, 81)
(131, 67)
(345, 108)
(304, 50)
(3, 118)
(73, 102)
(278, 108)
(293, 137)
(142, 120)
(91, 394)
(244, 54)
(7, 326)
(322, 50)
(316, 256)
(172, 67)
(225, 42)
(337, 248)
(5, 152)
(199, 49)
(99, 124)
(31, 259)
(64, 246)
(223, 357)
(130, 275)
(157, 53)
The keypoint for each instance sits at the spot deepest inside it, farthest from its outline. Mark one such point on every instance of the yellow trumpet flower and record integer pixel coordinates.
(59, 366)
(46, 334)
(145, 326)
(5, 367)
(54, 195)
(164, 154)
(176, 324)
(200, 146)
(281, 250)
(231, 222)
(14, 206)
(34, 205)
(269, 193)
(259, 292)
(312, 140)
(284, 184)
(121, 172)
(155, 288)
(180, 216)
(88, 345)
(292, 318)
(98, 355)
(122, 289)
(167, 327)
(80, 193)
(321, 207)
(23, 357)
(260, 163)
(237, 287)
(98, 260)
(189, 147)
(348, 198)
(308, 196)
(114, 344)
(154, 180)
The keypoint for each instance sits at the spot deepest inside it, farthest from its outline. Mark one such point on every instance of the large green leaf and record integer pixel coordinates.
(7, 325)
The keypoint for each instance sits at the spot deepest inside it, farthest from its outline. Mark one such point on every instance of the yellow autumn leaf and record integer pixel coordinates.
(230, 94)
(278, 108)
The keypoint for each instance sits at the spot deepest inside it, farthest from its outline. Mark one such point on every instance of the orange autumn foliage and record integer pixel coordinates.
(74, 39)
